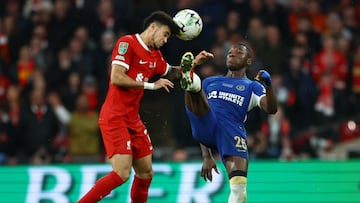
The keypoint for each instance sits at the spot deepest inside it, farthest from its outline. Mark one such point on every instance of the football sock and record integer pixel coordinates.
(237, 190)
(140, 190)
(196, 84)
(102, 188)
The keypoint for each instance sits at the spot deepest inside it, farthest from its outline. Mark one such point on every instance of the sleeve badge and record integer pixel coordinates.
(123, 47)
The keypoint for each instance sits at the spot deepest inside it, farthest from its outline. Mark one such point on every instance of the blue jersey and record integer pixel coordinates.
(230, 100)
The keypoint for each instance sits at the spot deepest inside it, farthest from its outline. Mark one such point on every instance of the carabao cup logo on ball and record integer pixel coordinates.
(190, 24)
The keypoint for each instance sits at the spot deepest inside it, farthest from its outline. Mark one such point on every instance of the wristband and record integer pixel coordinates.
(149, 86)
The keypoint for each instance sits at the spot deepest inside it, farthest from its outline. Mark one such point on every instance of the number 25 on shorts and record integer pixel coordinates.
(240, 143)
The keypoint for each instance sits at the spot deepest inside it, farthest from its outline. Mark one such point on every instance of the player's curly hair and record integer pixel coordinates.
(164, 19)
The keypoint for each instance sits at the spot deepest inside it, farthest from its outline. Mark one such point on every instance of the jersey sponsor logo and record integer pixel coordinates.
(227, 96)
(142, 62)
(240, 87)
(123, 46)
(212, 95)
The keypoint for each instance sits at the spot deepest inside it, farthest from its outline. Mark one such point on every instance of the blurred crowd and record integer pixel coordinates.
(54, 64)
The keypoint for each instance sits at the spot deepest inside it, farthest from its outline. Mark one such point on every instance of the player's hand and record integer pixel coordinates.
(163, 83)
(206, 170)
(202, 57)
(264, 77)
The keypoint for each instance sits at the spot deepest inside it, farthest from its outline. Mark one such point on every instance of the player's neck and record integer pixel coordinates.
(144, 36)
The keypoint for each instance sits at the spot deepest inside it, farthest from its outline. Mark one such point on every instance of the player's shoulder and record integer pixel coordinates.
(127, 38)
(214, 77)
(256, 83)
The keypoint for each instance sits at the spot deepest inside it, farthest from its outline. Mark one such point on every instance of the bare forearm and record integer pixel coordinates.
(119, 78)
(174, 73)
(271, 100)
(126, 81)
(205, 152)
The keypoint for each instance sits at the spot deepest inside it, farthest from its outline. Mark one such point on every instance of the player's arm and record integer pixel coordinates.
(120, 78)
(269, 102)
(175, 71)
(208, 163)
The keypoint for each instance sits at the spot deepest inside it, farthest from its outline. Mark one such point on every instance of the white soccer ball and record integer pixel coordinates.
(190, 24)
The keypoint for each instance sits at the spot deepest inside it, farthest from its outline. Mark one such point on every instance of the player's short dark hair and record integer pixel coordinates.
(248, 47)
(164, 19)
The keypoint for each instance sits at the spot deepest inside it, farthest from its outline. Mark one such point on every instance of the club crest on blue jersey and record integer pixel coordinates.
(123, 46)
(240, 87)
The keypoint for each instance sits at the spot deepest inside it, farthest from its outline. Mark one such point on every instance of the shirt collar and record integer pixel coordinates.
(142, 42)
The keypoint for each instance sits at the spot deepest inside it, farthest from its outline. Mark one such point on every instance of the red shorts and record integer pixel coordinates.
(121, 139)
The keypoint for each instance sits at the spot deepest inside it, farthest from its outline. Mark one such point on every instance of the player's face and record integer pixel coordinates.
(160, 36)
(237, 57)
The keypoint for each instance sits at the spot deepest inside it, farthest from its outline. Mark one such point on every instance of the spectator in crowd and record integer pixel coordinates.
(5, 139)
(4, 85)
(63, 116)
(89, 88)
(330, 72)
(275, 13)
(274, 138)
(71, 90)
(101, 67)
(81, 59)
(38, 127)
(355, 84)
(60, 70)
(276, 51)
(24, 67)
(301, 95)
(317, 17)
(62, 25)
(84, 139)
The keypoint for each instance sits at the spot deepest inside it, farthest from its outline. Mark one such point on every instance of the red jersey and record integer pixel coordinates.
(142, 64)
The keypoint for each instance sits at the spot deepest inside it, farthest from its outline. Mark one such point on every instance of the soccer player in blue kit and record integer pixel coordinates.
(217, 111)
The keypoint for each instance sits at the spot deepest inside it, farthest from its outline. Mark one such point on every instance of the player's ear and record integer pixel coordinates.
(249, 61)
(153, 26)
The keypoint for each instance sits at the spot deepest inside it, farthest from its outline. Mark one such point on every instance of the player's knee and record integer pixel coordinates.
(123, 173)
(146, 174)
(237, 186)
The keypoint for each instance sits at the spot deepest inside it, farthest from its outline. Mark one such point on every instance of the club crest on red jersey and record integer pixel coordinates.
(123, 46)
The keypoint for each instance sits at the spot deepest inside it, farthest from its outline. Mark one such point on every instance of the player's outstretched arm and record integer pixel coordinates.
(175, 71)
(202, 57)
(208, 163)
(118, 77)
(269, 102)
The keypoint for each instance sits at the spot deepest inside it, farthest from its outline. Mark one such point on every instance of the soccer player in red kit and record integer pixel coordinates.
(136, 59)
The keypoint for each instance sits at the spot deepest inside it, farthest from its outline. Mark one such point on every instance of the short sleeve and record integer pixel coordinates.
(258, 91)
(122, 52)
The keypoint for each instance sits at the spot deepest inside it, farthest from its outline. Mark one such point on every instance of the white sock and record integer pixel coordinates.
(196, 84)
(237, 193)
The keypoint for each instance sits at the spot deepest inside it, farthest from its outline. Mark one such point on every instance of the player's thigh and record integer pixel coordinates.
(203, 127)
(235, 163)
(116, 139)
(230, 143)
(122, 164)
